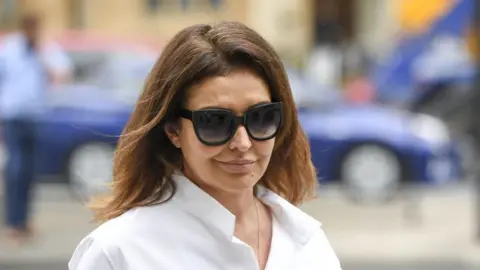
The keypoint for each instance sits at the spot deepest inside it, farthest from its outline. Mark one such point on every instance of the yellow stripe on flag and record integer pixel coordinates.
(417, 15)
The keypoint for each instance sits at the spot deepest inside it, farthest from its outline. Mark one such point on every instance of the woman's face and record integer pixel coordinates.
(242, 161)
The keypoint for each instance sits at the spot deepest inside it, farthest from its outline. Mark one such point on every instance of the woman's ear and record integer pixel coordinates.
(173, 133)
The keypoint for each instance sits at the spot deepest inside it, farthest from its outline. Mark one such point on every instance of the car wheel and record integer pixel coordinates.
(89, 169)
(370, 174)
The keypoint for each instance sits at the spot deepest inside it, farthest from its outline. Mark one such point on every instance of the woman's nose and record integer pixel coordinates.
(241, 141)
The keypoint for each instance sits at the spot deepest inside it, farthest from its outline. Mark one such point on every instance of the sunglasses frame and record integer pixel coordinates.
(237, 121)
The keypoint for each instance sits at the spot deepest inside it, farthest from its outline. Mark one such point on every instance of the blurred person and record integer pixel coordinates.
(210, 166)
(28, 65)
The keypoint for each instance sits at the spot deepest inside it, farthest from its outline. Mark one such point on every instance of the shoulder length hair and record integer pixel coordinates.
(145, 158)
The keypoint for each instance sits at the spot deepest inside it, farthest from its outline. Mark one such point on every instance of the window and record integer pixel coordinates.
(77, 14)
(333, 21)
(119, 74)
(154, 6)
(8, 10)
(216, 3)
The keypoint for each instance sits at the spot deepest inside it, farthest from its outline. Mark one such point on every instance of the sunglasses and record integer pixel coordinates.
(218, 126)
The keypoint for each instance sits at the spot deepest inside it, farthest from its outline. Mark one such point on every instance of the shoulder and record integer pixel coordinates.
(11, 41)
(301, 225)
(106, 246)
(318, 251)
(12, 38)
(135, 223)
(10, 49)
(305, 231)
(99, 248)
(50, 48)
(50, 45)
(90, 254)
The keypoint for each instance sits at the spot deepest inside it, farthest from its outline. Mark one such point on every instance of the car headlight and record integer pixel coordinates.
(430, 129)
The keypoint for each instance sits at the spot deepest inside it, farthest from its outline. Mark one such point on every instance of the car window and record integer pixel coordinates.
(307, 94)
(121, 74)
(86, 66)
(127, 73)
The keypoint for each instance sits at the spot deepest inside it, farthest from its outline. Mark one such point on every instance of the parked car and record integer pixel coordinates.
(372, 149)
(433, 72)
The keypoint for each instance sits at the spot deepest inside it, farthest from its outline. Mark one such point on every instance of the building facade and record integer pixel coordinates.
(284, 23)
(294, 27)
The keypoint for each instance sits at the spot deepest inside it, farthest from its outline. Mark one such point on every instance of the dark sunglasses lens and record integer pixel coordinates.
(264, 122)
(213, 126)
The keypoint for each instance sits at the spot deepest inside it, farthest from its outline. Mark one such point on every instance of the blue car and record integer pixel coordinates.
(372, 149)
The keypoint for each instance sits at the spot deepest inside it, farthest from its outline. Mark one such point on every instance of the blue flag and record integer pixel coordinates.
(395, 78)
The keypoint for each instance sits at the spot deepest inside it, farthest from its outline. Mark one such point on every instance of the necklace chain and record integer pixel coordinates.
(258, 228)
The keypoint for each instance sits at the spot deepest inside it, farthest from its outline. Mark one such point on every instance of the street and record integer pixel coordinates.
(438, 236)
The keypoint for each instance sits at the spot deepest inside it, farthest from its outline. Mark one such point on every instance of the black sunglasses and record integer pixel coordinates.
(218, 126)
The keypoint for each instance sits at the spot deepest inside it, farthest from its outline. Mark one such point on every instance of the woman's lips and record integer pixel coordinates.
(237, 166)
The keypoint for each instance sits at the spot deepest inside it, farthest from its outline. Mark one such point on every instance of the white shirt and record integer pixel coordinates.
(194, 231)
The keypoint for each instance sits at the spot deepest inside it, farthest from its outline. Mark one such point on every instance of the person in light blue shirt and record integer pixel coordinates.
(28, 66)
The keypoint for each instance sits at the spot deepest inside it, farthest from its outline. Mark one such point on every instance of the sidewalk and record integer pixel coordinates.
(443, 230)
(60, 223)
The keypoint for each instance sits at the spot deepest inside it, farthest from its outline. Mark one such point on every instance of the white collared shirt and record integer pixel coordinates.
(194, 231)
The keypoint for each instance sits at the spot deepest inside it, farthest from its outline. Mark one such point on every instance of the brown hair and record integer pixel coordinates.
(145, 158)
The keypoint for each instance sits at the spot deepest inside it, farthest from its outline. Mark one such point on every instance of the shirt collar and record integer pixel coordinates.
(300, 226)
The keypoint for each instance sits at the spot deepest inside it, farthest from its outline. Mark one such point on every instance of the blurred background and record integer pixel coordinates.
(386, 90)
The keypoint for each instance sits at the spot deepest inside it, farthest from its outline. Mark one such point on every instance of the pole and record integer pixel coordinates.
(476, 113)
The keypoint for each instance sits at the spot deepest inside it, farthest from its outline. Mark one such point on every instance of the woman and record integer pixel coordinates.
(210, 166)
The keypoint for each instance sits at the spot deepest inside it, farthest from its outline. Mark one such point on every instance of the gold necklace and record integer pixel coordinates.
(258, 229)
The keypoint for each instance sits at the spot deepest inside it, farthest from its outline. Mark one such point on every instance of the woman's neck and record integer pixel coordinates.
(239, 202)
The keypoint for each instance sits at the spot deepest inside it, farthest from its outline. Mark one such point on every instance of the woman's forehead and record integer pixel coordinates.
(236, 91)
